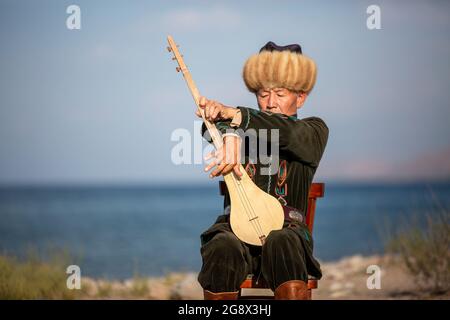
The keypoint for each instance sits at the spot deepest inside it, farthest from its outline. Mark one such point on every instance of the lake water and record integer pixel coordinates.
(115, 232)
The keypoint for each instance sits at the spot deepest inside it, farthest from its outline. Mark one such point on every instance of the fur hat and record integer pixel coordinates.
(280, 67)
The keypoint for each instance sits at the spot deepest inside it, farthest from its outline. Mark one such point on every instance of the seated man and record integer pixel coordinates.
(281, 78)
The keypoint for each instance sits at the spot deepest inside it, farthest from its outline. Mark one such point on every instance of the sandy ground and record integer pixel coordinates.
(344, 279)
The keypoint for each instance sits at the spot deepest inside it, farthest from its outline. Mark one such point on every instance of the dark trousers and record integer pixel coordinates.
(286, 255)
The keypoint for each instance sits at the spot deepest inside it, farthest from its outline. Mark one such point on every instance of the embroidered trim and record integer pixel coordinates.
(306, 235)
(251, 170)
(282, 173)
(237, 119)
(270, 176)
(281, 189)
(227, 134)
(248, 119)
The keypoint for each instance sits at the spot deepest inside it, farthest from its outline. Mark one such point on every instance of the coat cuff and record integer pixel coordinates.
(245, 117)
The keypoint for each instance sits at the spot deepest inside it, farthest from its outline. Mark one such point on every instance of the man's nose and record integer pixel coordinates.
(270, 103)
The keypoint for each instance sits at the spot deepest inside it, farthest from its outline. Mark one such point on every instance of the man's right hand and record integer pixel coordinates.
(227, 158)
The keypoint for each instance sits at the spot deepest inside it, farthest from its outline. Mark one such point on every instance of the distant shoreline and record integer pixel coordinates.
(211, 184)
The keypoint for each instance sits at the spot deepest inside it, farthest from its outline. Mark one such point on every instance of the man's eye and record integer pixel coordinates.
(280, 95)
(264, 96)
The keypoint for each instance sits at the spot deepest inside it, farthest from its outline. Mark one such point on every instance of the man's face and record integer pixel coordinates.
(280, 100)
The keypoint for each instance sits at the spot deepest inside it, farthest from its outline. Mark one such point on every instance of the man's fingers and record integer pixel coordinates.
(227, 169)
(210, 165)
(215, 113)
(202, 102)
(219, 154)
(207, 111)
(213, 108)
(227, 158)
(237, 170)
(211, 112)
(218, 170)
(209, 155)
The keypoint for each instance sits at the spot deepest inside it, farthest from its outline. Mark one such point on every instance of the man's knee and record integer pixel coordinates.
(282, 237)
(225, 243)
(224, 264)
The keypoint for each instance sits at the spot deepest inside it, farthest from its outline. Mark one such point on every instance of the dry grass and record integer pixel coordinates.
(425, 251)
(34, 279)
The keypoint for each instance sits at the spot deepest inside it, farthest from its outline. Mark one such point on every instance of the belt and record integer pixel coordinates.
(293, 214)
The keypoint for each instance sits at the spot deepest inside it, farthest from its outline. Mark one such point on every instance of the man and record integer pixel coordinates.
(281, 78)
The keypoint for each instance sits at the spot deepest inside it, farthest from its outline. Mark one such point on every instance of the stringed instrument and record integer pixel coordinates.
(254, 213)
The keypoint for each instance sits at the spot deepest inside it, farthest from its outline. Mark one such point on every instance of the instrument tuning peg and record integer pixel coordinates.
(178, 69)
(169, 49)
(174, 58)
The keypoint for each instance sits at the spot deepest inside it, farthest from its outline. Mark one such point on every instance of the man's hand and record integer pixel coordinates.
(215, 111)
(227, 158)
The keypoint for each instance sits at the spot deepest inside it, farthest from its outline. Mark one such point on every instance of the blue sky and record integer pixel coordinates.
(98, 105)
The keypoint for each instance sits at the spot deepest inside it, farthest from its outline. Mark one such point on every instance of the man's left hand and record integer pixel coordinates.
(214, 110)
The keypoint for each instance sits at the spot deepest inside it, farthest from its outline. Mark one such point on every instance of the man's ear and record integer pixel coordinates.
(301, 98)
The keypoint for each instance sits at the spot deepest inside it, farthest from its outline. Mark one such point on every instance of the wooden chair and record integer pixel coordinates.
(258, 288)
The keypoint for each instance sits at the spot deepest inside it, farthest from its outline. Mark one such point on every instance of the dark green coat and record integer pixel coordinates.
(301, 146)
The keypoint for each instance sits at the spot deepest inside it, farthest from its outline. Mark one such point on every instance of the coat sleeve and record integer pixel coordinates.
(302, 139)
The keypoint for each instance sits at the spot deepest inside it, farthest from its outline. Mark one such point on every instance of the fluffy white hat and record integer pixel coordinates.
(280, 67)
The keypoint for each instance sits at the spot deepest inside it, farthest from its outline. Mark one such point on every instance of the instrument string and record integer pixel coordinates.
(249, 210)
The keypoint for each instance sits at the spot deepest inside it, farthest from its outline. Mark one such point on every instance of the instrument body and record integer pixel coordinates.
(254, 213)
